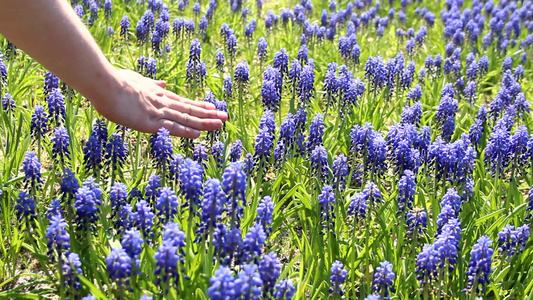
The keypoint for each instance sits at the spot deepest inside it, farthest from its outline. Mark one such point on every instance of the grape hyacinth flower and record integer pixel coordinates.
(253, 243)
(32, 172)
(167, 205)
(58, 238)
(383, 279)
(213, 203)
(116, 151)
(284, 290)
(281, 61)
(8, 103)
(416, 223)
(427, 264)
(167, 260)
(316, 132)
(87, 204)
(132, 243)
(161, 149)
(511, 241)
(69, 186)
(25, 207)
(265, 209)
(119, 267)
(269, 271)
(264, 143)
(479, 267)
(248, 284)
(50, 82)
(56, 106)
(236, 150)
(406, 191)
(200, 154)
(234, 185)
(70, 270)
(222, 285)
(262, 49)
(153, 188)
(326, 200)
(118, 197)
(338, 276)
(39, 120)
(191, 177)
(60, 144)
(217, 151)
(124, 26)
(220, 59)
(306, 85)
(93, 154)
(143, 218)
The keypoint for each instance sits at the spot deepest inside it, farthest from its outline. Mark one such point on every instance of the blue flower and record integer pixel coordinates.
(174, 236)
(497, 151)
(227, 243)
(416, 222)
(270, 95)
(132, 243)
(338, 276)
(250, 28)
(161, 148)
(248, 284)
(242, 73)
(32, 172)
(284, 290)
(88, 200)
(316, 132)
(50, 82)
(213, 204)
(222, 285)
(70, 270)
(326, 200)
(306, 85)
(92, 153)
(166, 261)
(153, 188)
(8, 103)
(56, 106)
(479, 267)
(383, 279)
(406, 191)
(119, 266)
(58, 237)
(53, 210)
(234, 185)
(447, 245)
(200, 154)
(39, 119)
(262, 49)
(143, 218)
(60, 144)
(427, 264)
(116, 151)
(124, 26)
(511, 241)
(236, 150)
(253, 243)
(191, 176)
(319, 163)
(281, 61)
(263, 145)
(220, 59)
(269, 271)
(358, 205)
(167, 204)
(117, 197)
(265, 209)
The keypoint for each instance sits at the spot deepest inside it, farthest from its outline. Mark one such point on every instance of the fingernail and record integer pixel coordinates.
(222, 115)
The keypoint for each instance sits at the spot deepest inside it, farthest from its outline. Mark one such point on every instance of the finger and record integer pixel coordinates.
(201, 104)
(196, 111)
(192, 121)
(179, 130)
(160, 83)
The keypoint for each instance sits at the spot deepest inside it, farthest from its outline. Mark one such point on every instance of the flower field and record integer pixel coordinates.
(374, 150)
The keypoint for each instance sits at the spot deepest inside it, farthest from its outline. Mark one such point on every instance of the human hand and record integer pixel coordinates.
(141, 103)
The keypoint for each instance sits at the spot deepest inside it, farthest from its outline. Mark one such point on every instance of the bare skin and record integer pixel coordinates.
(51, 33)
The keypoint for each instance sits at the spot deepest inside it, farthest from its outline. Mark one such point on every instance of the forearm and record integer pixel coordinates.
(51, 33)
